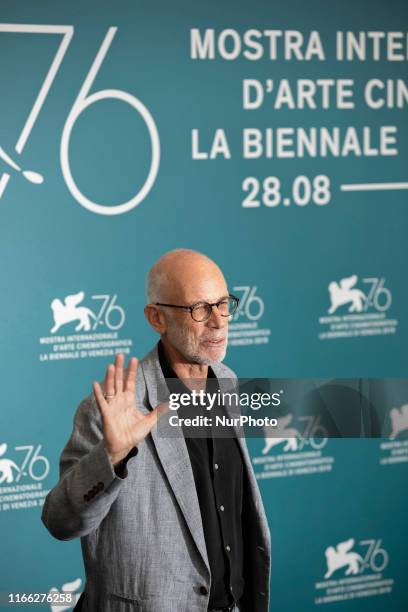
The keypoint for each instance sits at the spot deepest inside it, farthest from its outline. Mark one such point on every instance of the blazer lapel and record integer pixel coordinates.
(173, 454)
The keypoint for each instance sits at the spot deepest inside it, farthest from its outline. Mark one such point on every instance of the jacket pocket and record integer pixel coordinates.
(118, 602)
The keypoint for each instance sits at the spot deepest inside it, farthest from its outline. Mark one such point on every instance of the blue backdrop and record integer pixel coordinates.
(271, 135)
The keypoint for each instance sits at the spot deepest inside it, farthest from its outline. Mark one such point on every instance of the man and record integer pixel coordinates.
(167, 524)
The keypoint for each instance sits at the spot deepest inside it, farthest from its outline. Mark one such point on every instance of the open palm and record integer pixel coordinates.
(124, 425)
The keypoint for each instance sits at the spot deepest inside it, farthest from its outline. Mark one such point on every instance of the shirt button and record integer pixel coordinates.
(222, 508)
(216, 466)
(203, 590)
(227, 548)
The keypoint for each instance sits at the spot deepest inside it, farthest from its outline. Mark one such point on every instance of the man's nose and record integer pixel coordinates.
(216, 320)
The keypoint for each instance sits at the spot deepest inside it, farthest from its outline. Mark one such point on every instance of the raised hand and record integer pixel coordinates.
(124, 426)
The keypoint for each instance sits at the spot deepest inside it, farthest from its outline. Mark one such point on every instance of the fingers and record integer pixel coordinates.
(130, 382)
(119, 361)
(114, 378)
(109, 383)
(100, 400)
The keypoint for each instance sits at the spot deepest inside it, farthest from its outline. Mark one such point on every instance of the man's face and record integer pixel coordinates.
(204, 342)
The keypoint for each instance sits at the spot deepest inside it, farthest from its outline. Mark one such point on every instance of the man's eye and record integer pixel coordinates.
(201, 308)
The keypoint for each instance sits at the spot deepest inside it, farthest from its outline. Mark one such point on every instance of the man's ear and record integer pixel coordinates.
(156, 318)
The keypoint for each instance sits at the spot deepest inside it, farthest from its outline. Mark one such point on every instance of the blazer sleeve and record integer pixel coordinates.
(88, 483)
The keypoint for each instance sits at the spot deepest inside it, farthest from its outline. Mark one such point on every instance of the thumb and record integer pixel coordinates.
(161, 409)
(157, 413)
(151, 419)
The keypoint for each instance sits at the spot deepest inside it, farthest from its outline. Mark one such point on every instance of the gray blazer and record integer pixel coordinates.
(141, 535)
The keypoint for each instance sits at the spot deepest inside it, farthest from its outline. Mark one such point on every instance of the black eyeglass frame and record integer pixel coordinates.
(193, 306)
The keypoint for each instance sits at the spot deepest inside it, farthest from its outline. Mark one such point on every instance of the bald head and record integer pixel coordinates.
(184, 276)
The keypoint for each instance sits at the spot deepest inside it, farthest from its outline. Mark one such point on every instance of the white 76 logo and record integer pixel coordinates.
(82, 102)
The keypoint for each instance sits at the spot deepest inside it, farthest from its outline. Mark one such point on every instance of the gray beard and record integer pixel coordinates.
(181, 341)
(205, 361)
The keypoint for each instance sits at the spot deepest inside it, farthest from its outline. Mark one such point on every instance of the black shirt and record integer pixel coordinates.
(218, 474)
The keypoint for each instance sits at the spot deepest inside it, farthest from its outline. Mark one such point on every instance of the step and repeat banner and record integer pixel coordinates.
(271, 135)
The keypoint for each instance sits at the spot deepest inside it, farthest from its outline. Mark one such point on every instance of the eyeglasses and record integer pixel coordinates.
(201, 311)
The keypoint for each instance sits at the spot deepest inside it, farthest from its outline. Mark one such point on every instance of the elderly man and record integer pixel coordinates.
(167, 524)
